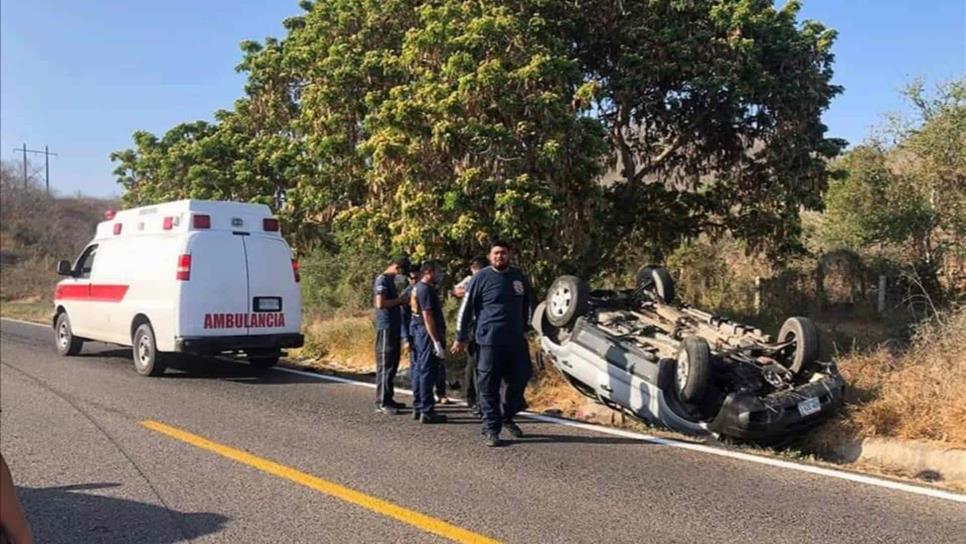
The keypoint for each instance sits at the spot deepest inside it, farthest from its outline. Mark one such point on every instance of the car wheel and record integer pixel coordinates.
(567, 300)
(692, 369)
(67, 344)
(657, 280)
(147, 360)
(802, 331)
(264, 361)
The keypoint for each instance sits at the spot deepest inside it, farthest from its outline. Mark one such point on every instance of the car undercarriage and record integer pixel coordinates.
(640, 352)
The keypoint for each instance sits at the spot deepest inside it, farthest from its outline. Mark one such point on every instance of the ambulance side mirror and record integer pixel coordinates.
(64, 268)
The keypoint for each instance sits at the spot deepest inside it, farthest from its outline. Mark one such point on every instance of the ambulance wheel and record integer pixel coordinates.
(147, 360)
(263, 362)
(67, 343)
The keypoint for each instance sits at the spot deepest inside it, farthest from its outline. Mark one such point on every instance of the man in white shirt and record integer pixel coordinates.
(459, 290)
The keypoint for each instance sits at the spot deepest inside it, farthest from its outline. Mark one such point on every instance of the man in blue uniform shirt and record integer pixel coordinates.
(427, 332)
(388, 325)
(498, 301)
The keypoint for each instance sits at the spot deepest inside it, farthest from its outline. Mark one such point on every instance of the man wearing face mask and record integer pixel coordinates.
(427, 332)
(498, 301)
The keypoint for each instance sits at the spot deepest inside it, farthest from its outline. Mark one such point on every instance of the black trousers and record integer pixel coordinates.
(496, 365)
(387, 364)
(472, 352)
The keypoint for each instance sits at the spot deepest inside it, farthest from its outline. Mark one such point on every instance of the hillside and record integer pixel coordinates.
(37, 230)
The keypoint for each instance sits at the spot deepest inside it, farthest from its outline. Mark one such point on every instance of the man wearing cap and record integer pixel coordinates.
(388, 326)
(496, 312)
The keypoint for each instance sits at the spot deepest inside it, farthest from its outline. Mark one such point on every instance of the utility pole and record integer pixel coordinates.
(46, 153)
(24, 165)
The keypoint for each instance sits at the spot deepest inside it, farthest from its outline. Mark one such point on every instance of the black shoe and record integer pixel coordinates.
(432, 417)
(415, 415)
(492, 440)
(475, 410)
(513, 429)
(390, 410)
(396, 405)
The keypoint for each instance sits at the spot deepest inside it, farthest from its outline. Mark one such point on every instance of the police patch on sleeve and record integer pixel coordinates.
(518, 287)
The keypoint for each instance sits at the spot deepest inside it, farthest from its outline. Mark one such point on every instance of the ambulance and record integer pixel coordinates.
(192, 276)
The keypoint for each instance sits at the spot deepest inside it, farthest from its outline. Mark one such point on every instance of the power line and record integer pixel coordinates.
(46, 153)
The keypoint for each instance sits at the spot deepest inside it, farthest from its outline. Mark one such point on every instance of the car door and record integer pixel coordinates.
(276, 302)
(74, 294)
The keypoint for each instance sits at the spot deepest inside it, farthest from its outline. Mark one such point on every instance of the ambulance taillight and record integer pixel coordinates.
(295, 270)
(270, 224)
(200, 221)
(184, 268)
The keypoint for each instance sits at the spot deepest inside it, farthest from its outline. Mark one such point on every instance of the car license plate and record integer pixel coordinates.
(268, 304)
(809, 406)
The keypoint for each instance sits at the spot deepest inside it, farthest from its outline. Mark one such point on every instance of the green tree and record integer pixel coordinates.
(580, 130)
(907, 197)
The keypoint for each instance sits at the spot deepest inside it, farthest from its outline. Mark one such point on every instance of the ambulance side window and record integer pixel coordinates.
(86, 263)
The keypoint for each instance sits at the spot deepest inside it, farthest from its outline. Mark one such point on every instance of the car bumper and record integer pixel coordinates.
(219, 344)
(774, 417)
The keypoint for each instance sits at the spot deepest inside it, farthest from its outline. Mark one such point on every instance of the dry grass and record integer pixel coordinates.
(552, 392)
(914, 394)
(345, 342)
(32, 309)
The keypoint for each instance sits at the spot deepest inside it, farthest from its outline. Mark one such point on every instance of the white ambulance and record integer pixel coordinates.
(191, 276)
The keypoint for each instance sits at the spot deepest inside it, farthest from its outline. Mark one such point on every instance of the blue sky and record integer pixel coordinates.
(81, 77)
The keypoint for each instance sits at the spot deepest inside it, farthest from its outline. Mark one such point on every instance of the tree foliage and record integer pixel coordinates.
(579, 130)
(910, 193)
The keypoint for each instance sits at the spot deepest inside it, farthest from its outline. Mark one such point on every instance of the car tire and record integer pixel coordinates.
(567, 300)
(803, 331)
(148, 361)
(692, 369)
(264, 362)
(657, 280)
(68, 345)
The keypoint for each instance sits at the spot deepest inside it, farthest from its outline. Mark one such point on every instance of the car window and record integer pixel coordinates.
(86, 262)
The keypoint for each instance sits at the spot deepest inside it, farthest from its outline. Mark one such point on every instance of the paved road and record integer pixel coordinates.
(90, 471)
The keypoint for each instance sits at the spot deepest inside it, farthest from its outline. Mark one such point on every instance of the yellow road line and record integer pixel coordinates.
(386, 508)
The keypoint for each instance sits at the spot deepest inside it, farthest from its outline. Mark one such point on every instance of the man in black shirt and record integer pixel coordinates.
(427, 332)
(388, 324)
(496, 313)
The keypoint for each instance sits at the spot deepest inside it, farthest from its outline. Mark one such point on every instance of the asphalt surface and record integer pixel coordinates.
(87, 470)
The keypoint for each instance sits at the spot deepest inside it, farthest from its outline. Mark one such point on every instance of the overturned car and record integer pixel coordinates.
(639, 352)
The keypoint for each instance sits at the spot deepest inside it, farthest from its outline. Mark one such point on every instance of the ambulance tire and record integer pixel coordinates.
(147, 360)
(67, 344)
(264, 361)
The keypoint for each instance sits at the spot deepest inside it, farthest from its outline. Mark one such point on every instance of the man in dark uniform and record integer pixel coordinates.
(427, 332)
(498, 300)
(388, 325)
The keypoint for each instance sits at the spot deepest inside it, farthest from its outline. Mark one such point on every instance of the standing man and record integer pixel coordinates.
(388, 326)
(459, 291)
(498, 301)
(427, 332)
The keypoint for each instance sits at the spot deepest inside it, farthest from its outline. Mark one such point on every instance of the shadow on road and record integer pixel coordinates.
(198, 367)
(572, 439)
(66, 514)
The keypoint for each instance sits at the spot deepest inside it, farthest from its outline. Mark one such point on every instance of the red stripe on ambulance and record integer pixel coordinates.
(91, 292)
(245, 321)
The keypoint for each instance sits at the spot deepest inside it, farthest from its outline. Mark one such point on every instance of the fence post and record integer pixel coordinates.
(757, 294)
(880, 306)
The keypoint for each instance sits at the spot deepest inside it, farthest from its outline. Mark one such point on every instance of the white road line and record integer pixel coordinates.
(701, 448)
(25, 322)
